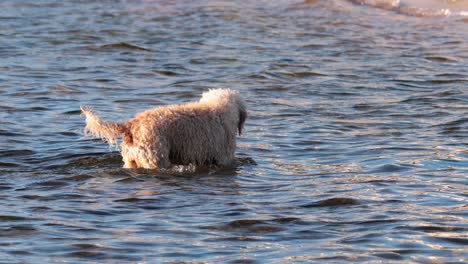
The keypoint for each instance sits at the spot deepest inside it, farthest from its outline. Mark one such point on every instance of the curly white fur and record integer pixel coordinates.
(197, 133)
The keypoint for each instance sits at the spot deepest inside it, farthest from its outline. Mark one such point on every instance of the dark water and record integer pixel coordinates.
(355, 150)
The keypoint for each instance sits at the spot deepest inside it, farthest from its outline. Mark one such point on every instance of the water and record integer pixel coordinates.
(355, 149)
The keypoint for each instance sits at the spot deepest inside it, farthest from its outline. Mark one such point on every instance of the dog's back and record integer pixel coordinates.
(193, 133)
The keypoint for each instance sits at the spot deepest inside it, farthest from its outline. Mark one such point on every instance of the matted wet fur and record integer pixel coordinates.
(198, 133)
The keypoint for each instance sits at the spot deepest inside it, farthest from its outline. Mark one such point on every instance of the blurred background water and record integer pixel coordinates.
(355, 149)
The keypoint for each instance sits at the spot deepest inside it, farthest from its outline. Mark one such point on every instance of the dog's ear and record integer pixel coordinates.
(242, 118)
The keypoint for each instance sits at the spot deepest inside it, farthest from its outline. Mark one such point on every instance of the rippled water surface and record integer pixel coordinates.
(355, 149)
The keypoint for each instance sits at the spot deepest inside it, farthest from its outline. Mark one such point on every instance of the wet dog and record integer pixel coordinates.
(198, 133)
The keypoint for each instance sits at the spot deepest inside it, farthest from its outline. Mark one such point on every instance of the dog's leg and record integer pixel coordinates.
(129, 154)
(143, 157)
(160, 157)
(129, 162)
(226, 160)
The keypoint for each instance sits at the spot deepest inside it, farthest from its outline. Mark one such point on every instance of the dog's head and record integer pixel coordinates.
(230, 99)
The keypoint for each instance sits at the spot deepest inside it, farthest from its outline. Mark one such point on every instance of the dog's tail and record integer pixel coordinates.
(107, 131)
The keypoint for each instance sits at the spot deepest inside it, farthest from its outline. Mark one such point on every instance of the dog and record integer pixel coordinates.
(198, 133)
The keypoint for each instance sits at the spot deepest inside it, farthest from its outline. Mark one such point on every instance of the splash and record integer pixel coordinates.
(422, 8)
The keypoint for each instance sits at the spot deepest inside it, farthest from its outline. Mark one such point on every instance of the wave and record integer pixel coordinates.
(118, 46)
(422, 8)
